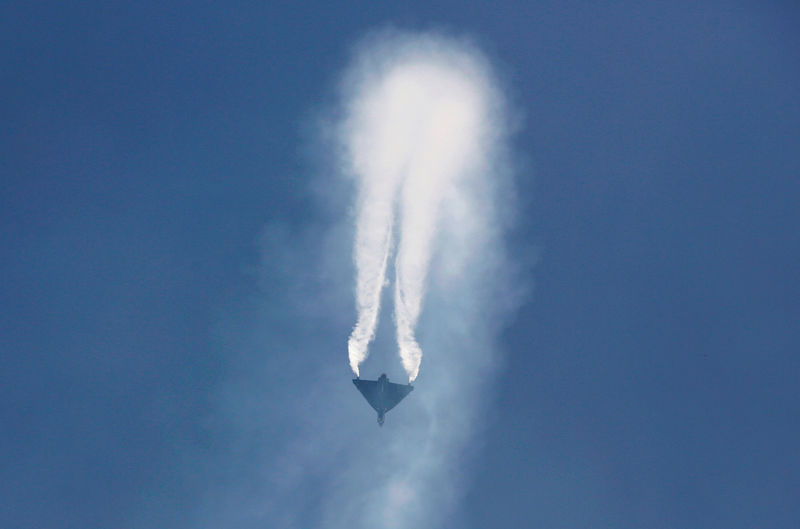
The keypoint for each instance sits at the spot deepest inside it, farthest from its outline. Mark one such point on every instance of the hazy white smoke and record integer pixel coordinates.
(415, 134)
(422, 136)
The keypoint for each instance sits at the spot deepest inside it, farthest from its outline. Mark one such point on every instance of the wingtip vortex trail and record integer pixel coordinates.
(414, 135)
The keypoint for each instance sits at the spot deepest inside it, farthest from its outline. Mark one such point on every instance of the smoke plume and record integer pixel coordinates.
(418, 132)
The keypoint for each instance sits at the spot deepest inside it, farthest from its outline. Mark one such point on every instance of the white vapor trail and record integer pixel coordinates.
(418, 131)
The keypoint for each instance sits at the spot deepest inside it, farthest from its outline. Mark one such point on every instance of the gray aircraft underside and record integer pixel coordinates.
(381, 394)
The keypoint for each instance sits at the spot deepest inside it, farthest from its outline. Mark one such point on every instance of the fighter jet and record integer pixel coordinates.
(381, 394)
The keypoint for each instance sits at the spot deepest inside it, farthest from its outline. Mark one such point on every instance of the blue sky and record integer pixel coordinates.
(172, 284)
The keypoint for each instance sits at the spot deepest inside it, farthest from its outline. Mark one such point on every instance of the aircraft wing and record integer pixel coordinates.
(369, 388)
(395, 393)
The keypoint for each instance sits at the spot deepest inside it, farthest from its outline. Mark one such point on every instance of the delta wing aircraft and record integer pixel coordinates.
(381, 394)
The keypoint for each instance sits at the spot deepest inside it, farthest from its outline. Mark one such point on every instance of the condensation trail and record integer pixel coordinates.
(413, 137)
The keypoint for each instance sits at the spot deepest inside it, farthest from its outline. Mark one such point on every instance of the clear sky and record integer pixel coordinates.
(176, 298)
